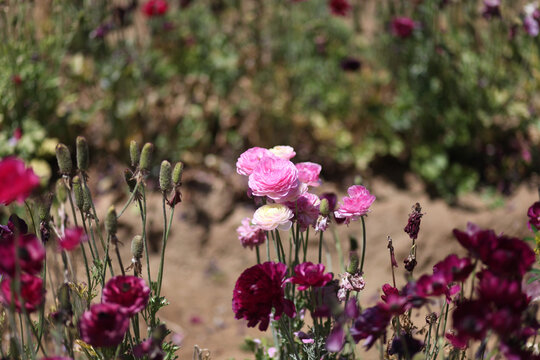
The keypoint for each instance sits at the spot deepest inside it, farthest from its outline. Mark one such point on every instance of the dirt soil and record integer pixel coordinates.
(204, 256)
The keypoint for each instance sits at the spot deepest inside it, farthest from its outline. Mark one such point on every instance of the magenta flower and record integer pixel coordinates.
(16, 181)
(249, 159)
(103, 325)
(394, 303)
(402, 27)
(532, 17)
(308, 274)
(30, 253)
(339, 7)
(477, 241)
(413, 224)
(153, 8)
(129, 292)
(250, 235)
(308, 173)
(72, 238)
(305, 210)
(470, 322)
(275, 178)
(355, 205)
(501, 292)
(534, 216)
(511, 257)
(454, 269)
(150, 348)
(491, 9)
(258, 290)
(31, 291)
(370, 325)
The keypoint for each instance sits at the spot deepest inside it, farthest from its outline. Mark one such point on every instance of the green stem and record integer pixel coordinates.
(258, 254)
(130, 200)
(363, 245)
(166, 231)
(142, 208)
(320, 246)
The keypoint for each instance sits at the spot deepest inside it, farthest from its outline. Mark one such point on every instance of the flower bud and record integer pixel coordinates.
(177, 173)
(111, 222)
(64, 297)
(131, 182)
(146, 154)
(87, 200)
(137, 247)
(63, 157)
(44, 207)
(61, 191)
(82, 153)
(165, 176)
(134, 153)
(353, 263)
(324, 207)
(78, 192)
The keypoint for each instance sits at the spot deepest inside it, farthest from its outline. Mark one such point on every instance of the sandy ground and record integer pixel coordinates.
(204, 257)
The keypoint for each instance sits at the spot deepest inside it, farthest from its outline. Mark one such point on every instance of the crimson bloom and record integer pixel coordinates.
(154, 8)
(129, 292)
(534, 215)
(454, 269)
(339, 7)
(72, 238)
(258, 290)
(370, 325)
(402, 26)
(308, 274)
(16, 181)
(103, 325)
(30, 253)
(32, 293)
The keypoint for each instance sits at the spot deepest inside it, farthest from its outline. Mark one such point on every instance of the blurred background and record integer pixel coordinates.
(422, 100)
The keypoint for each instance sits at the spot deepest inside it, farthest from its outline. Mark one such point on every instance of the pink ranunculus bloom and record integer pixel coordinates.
(308, 173)
(305, 210)
(275, 178)
(258, 290)
(250, 235)
(103, 325)
(402, 27)
(153, 8)
(16, 181)
(31, 291)
(249, 159)
(339, 7)
(355, 205)
(30, 250)
(72, 238)
(129, 292)
(283, 152)
(308, 274)
(273, 216)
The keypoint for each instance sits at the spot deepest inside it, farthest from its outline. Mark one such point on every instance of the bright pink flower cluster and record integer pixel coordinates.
(16, 181)
(355, 205)
(275, 178)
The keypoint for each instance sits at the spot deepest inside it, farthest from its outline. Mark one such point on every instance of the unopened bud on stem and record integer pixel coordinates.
(324, 207)
(146, 154)
(78, 192)
(177, 173)
(165, 183)
(61, 191)
(137, 247)
(134, 153)
(111, 222)
(82, 153)
(63, 157)
(353, 263)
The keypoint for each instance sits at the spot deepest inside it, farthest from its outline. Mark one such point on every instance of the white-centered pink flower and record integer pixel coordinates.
(275, 178)
(250, 235)
(309, 172)
(249, 159)
(273, 216)
(305, 209)
(355, 205)
(283, 151)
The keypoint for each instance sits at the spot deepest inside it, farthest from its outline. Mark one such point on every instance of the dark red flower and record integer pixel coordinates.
(394, 303)
(454, 269)
(491, 9)
(413, 224)
(153, 8)
(16, 79)
(370, 325)
(32, 293)
(402, 26)
(339, 7)
(129, 292)
(479, 242)
(30, 253)
(501, 292)
(149, 348)
(16, 181)
(470, 322)
(510, 257)
(534, 216)
(258, 290)
(72, 238)
(308, 274)
(103, 325)
(405, 346)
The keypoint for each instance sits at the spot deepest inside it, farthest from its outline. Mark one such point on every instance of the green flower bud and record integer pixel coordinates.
(44, 208)
(146, 154)
(64, 297)
(137, 247)
(324, 207)
(177, 173)
(78, 192)
(61, 191)
(353, 263)
(63, 157)
(82, 153)
(87, 200)
(111, 222)
(165, 183)
(134, 153)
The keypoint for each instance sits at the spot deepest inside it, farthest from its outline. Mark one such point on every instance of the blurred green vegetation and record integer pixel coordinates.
(456, 101)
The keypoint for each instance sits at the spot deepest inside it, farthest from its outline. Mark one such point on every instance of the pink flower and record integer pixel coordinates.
(31, 291)
(339, 7)
(16, 181)
(250, 235)
(72, 238)
(155, 8)
(273, 216)
(308, 274)
(283, 152)
(30, 252)
(103, 325)
(129, 292)
(356, 204)
(308, 173)
(402, 27)
(258, 290)
(305, 210)
(275, 178)
(249, 160)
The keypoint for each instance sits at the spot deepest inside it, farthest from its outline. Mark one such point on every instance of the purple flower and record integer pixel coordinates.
(413, 224)
(103, 325)
(402, 27)
(31, 291)
(470, 322)
(405, 346)
(454, 269)
(305, 210)
(370, 325)
(491, 9)
(534, 216)
(510, 257)
(129, 292)
(30, 252)
(308, 274)
(394, 303)
(258, 290)
(479, 242)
